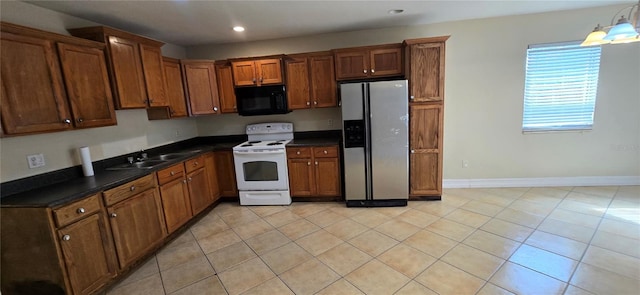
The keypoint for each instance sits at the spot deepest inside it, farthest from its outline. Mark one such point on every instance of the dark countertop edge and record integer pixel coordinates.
(66, 185)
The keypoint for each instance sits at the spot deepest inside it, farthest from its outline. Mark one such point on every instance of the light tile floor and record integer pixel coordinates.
(564, 240)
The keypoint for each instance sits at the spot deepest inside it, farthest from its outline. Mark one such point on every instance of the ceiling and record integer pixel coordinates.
(188, 22)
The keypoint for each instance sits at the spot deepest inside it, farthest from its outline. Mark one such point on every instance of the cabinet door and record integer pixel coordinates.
(127, 75)
(154, 75)
(426, 72)
(88, 87)
(176, 203)
(87, 249)
(298, 83)
(33, 96)
(138, 225)
(199, 191)
(352, 65)
(323, 82)
(386, 62)
(425, 166)
(301, 182)
(212, 175)
(244, 73)
(226, 91)
(327, 176)
(226, 173)
(269, 71)
(202, 90)
(175, 89)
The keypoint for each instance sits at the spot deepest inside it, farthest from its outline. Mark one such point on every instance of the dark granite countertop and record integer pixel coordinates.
(65, 192)
(62, 187)
(314, 142)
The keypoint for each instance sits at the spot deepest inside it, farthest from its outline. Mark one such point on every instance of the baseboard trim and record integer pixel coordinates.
(542, 181)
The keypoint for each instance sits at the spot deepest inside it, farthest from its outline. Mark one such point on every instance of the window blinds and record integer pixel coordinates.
(561, 83)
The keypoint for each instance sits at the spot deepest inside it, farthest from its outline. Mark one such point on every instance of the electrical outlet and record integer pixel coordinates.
(465, 163)
(177, 133)
(330, 122)
(35, 161)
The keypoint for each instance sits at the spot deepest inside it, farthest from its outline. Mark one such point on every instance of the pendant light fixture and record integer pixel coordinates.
(622, 32)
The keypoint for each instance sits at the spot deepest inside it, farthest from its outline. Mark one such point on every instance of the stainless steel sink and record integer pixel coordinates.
(171, 156)
(148, 164)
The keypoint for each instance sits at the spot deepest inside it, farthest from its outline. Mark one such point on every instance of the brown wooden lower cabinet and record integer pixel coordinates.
(212, 175)
(55, 251)
(226, 173)
(174, 193)
(199, 191)
(425, 141)
(138, 225)
(314, 171)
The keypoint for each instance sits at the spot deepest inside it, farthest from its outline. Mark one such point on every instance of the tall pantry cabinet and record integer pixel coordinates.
(424, 68)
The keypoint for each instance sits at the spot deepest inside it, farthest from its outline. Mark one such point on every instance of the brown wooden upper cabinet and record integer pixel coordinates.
(368, 62)
(224, 75)
(257, 72)
(311, 81)
(135, 66)
(201, 87)
(52, 82)
(177, 101)
(425, 68)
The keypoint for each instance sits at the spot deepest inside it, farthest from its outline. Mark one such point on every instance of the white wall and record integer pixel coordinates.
(484, 85)
(133, 132)
(484, 92)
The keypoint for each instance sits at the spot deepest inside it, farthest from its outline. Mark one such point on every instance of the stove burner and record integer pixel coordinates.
(247, 144)
(255, 141)
(275, 143)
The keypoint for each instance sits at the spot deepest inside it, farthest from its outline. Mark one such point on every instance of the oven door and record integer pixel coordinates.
(261, 170)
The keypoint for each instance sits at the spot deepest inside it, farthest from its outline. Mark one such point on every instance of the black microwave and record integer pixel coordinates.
(263, 100)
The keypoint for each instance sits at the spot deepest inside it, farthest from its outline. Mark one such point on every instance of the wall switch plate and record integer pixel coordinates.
(35, 161)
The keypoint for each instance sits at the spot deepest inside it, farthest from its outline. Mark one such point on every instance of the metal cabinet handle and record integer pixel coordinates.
(66, 237)
(253, 80)
(412, 97)
(413, 151)
(298, 152)
(364, 71)
(190, 179)
(215, 109)
(308, 103)
(66, 121)
(325, 152)
(113, 215)
(315, 102)
(195, 163)
(80, 210)
(172, 173)
(373, 71)
(132, 188)
(316, 163)
(184, 181)
(235, 107)
(80, 120)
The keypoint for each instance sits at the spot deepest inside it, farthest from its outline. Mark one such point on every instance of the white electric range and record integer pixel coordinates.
(261, 164)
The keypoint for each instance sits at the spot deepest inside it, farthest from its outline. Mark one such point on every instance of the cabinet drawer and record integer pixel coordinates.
(194, 164)
(174, 172)
(129, 189)
(325, 152)
(298, 152)
(77, 210)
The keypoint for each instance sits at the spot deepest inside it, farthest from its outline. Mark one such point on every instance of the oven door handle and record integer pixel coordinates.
(257, 153)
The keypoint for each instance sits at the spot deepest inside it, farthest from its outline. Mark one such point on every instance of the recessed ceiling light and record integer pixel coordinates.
(395, 11)
(238, 29)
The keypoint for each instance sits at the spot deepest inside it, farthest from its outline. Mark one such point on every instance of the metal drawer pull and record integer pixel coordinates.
(298, 152)
(113, 215)
(172, 173)
(365, 71)
(132, 188)
(66, 237)
(308, 163)
(373, 71)
(67, 121)
(325, 152)
(316, 163)
(80, 210)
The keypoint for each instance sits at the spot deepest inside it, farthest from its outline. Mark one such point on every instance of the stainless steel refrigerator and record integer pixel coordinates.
(375, 130)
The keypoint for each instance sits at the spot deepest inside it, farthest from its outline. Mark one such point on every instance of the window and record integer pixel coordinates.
(560, 87)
